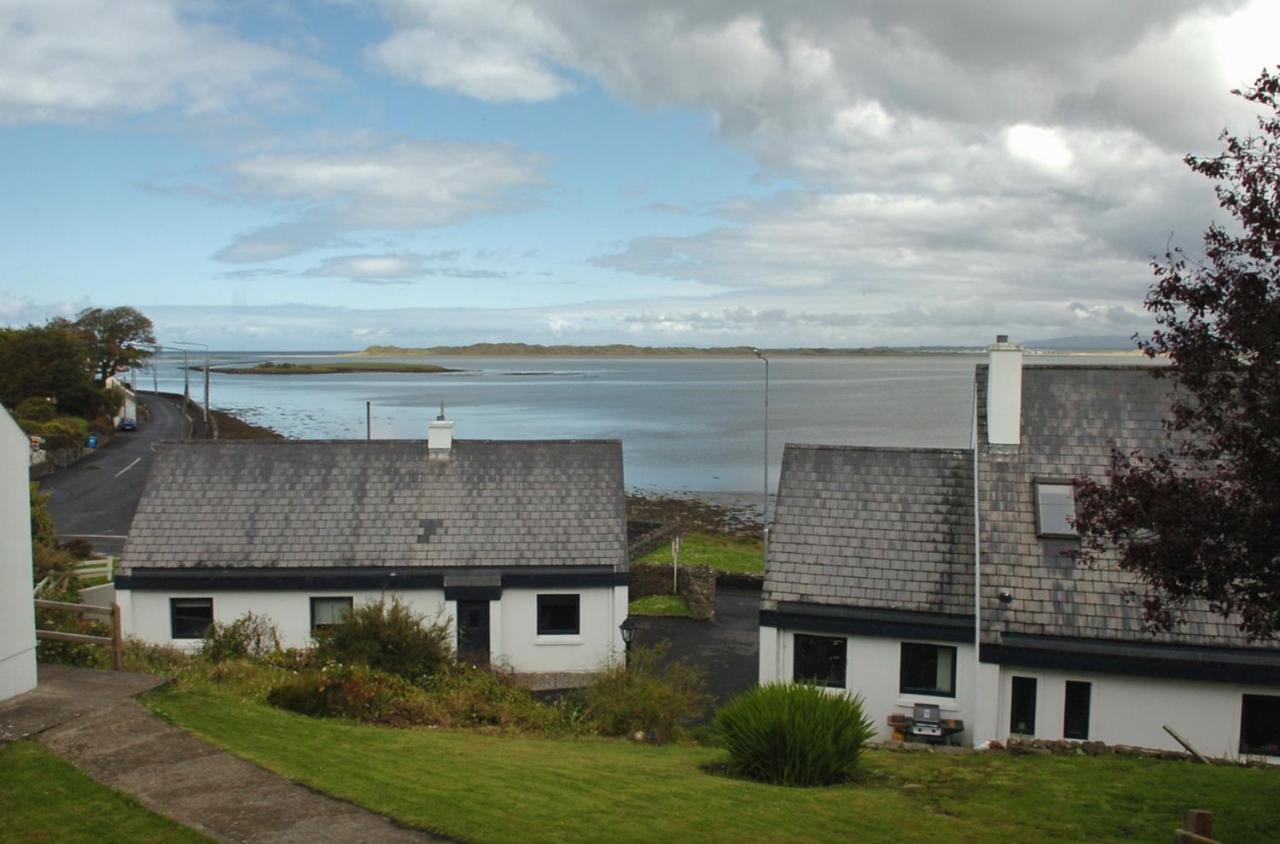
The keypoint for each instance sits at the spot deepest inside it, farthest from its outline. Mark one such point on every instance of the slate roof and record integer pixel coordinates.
(283, 504)
(882, 528)
(873, 528)
(1071, 416)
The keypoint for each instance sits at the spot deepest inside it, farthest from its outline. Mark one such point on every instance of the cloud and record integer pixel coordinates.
(397, 268)
(78, 60)
(401, 186)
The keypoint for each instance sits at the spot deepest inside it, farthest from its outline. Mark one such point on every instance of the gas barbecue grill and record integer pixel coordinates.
(925, 723)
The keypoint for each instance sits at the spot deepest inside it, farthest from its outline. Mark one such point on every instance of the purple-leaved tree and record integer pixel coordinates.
(1201, 519)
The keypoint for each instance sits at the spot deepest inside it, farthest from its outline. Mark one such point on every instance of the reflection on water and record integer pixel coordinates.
(685, 423)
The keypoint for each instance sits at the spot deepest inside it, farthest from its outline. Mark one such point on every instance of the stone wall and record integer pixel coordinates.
(696, 584)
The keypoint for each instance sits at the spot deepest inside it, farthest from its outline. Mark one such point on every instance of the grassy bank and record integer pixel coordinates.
(743, 555)
(43, 798)
(488, 788)
(660, 605)
(333, 368)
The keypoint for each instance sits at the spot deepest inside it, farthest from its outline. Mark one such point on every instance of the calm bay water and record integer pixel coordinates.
(687, 424)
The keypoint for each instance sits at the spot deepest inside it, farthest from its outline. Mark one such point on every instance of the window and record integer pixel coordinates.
(819, 660)
(1022, 706)
(1260, 725)
(1075, 719)
(558, 615)
(1055, 504)
(927, 670)
(190, 617)
(326, 612)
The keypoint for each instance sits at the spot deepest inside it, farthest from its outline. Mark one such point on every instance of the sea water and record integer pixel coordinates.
(686, 424)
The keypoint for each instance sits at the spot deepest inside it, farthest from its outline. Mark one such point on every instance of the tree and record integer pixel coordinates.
(112, 336)
(47, 361)
(1201, 519)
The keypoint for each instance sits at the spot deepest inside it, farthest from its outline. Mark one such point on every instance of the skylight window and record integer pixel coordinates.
(1055, 505)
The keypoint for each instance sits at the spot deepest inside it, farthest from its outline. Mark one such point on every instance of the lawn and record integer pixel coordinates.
(664, 605)
(501, 788)
(726, 553)
(43, 798)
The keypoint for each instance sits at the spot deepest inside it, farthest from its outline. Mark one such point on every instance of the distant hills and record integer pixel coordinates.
(1065, 344)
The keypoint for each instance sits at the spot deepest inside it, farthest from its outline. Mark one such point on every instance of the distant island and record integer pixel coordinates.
(269, 368)
(623, 350)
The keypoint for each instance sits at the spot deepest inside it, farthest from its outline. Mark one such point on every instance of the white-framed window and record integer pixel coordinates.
(1260, 725)
(189, 618)
(821, 660)
(559, 615)
(927, 670)
(1055, 507)
(328, 611)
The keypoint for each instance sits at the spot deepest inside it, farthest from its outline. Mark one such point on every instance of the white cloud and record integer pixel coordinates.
(400, 186)
(74, 60)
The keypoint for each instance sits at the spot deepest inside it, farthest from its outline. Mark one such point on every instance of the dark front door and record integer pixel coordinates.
(473, 632)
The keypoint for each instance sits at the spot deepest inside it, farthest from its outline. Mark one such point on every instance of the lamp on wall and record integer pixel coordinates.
(628, 630)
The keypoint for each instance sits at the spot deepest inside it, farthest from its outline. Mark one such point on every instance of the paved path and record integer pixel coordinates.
(90, 718)
(726, 649)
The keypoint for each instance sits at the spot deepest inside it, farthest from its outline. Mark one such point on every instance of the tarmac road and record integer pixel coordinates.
(96, 497)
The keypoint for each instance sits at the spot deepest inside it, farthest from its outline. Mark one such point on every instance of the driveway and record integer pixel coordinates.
(95, 498)
(727, 649)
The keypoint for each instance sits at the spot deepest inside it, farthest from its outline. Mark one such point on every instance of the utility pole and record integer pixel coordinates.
(762, 357)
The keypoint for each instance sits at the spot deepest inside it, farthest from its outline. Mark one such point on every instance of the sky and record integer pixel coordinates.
(331, 174)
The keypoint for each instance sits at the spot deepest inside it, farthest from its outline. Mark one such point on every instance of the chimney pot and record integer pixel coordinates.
(1004, 392)
(440, 437)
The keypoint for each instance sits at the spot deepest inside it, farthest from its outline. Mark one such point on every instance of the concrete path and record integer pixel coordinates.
(89, 718)
(726, 649)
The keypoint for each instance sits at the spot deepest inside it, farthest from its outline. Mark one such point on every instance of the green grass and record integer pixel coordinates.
(726, 553)
(43, 798)
(666, 605)
(500, 788)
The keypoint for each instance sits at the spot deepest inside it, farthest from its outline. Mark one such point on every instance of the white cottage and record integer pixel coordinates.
(876, 556)
(520, 545)
(17, 611)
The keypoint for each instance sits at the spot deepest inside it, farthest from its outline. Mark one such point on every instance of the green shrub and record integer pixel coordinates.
(250, 636)
(794, 734)
(648, 695)
(388, 637)
(35, 409)
(64, 432)
(149, 658)
(466, 696)
(356, 692)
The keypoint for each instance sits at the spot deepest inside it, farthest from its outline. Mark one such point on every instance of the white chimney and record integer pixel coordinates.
(1004, 392)
(439, 437)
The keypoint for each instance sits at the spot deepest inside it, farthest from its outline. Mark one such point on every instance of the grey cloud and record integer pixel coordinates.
(86, 59)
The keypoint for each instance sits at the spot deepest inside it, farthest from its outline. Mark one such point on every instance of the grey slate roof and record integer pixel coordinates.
(873, 528)
(1071, 415)
(885, 528)
(381, 503)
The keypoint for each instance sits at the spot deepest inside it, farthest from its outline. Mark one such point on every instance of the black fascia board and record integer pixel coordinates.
(380, 578)
(1137, 659)
(866, 621)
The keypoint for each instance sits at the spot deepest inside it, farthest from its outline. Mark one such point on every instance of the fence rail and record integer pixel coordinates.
(115, 641)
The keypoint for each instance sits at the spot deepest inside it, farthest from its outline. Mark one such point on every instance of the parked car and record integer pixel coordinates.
(128, 424)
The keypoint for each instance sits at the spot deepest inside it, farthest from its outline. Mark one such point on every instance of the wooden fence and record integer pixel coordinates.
(1197, 828)
(115, 641)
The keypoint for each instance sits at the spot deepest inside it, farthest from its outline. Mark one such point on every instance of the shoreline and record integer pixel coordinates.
(723, 513)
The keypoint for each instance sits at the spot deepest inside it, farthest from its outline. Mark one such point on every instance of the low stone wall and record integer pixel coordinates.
(643, 537)
(696, 584)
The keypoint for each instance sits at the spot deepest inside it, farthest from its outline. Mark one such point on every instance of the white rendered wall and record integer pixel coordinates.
(513, 621)
(600, 610)
(872, 670)
(17, 612)
(1133, 710)
(145, 614)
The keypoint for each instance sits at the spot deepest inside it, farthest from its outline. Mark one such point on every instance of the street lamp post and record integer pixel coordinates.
(762, 357)
(205, 346)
